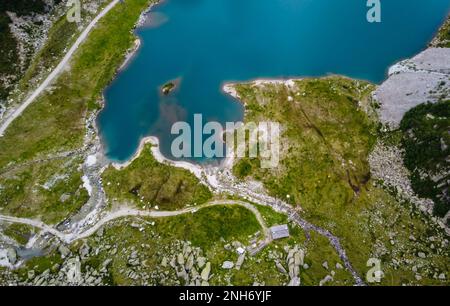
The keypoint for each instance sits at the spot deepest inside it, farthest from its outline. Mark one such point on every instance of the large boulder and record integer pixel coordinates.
(180, 259)
(201, 261)
(240, 261)
(189, 262)
(64, 251)
(205, 272)
(280, 267)
(84, 250)
(73, 270)
(227, 265)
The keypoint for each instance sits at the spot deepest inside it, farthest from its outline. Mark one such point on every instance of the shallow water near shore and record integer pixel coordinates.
(206, 43)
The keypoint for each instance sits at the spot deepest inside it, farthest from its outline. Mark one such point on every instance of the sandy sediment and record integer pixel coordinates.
(230, 88)
(130, 54)
(154, 141)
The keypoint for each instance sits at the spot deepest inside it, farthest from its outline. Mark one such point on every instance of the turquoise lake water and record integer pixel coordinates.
(206, 43)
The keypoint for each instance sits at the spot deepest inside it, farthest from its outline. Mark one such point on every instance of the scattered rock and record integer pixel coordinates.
(64, 197)
(31, 274)
(240, 250)
(180, 259)
(100, 232)
(280, 267)
(63, 250)
(294, 282)
(227, 265)
(201, 261)
(106, 262)
(205, 272)
(189, 262)
(84, 250)
(164, 262)
(325, 280)
(240, 261)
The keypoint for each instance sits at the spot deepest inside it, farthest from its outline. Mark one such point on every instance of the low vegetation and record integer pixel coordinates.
(50, 190)
(60, 37)
(326, 139)
(146, 182)
(214, 231)
(56, 121)
(21, 233)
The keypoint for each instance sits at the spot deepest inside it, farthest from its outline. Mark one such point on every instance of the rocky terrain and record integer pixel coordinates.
(424, 78)
(34, 38)
(354, 201)
(411, 84)
(386, 164)
(100, 261)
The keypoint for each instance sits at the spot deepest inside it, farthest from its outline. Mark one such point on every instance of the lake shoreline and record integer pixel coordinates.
(227, 88)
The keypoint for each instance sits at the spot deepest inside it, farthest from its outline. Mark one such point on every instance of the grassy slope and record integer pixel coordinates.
(61, 35)
(146, 181)
(325, 171)
(19, 232)
(210, 229)
(328, 139)
(204, 229)
(56, 120)
(50, 190)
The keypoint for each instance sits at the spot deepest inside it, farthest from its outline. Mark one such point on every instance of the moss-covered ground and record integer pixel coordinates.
(55, 122)
(146, 182)
(326, 139)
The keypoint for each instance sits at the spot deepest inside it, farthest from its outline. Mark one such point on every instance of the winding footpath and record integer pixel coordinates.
(130, 212)
(247, 193)
(225, 182)
(18, 111)
(219, 185)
